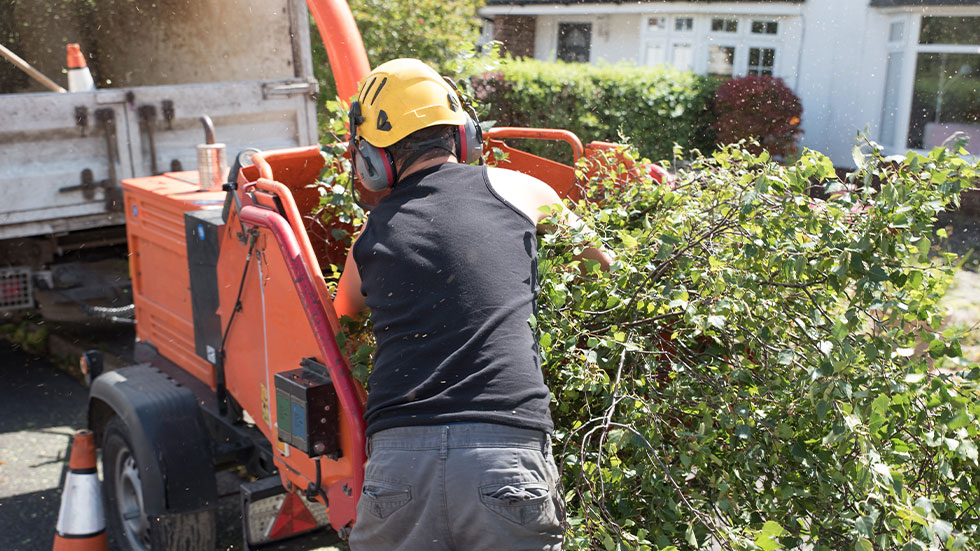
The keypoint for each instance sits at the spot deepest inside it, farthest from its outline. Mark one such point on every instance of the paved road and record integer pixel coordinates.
(40, 408)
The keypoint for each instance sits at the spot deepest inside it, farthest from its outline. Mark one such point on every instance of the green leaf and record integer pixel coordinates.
(943, 530)
(768, 536)
(863, 544)
(960, 421)
(924, 245)
(858, 157)
(876, 273)
(826, 347)
(865, 526)
(689, 536)
(967, 451)
(915, 279)
(545, 340)
(954, 350)
(628, 240)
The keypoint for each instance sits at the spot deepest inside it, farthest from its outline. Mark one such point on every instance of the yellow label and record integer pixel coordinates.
(265, 405)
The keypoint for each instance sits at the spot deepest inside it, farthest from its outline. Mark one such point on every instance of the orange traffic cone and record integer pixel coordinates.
(79, 76)
(81, 520)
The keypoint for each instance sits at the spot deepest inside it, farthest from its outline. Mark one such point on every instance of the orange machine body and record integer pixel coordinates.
(155, 208)
(272, 330)
(283, 320)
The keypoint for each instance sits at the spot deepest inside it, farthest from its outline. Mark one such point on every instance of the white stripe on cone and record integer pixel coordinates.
(80, 80)
(81, 506)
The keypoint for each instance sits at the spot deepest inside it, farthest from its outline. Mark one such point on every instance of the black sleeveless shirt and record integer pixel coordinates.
(449, 270)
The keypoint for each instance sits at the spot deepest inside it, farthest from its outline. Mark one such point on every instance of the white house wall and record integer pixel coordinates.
(841, 75)
(615, 37)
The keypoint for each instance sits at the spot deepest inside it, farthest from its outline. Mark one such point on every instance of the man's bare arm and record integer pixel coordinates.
(538, 201)
(349, 301)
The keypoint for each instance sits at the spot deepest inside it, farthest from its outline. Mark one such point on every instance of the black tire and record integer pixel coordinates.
(128, 525)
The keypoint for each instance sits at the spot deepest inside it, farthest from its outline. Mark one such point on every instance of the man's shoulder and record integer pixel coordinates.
(526, 192)
(512, 181)
(496, 173)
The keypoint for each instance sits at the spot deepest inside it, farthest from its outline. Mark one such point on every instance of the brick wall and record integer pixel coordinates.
(515, 33)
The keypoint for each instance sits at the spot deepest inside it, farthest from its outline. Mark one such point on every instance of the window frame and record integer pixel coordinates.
(910, 48)
(761, 66)
(724, 20)
(558, 36)
(676, 19)
(764, 21)
(735, 57)
(701, 38)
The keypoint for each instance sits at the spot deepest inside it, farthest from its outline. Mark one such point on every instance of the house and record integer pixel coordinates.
(905, 72)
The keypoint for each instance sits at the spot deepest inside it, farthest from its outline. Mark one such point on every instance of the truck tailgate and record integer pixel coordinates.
(62, 156)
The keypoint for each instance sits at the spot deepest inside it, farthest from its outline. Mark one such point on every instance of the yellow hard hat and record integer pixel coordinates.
(402, 96)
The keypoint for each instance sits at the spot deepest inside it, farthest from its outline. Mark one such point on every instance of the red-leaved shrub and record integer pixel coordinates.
(758, 107)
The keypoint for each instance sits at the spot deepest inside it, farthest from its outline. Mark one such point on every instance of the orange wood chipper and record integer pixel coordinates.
(240, 368)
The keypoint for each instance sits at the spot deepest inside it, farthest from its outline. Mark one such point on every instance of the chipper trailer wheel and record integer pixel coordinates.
(159, 482)
(129, 524)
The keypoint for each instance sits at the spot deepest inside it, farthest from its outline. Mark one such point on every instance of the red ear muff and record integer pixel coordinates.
(461, 152)
(469, 141)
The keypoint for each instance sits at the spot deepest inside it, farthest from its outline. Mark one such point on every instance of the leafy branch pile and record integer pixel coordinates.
(762, 369)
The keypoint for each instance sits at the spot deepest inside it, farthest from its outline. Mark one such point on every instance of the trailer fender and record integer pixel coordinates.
(167, 431)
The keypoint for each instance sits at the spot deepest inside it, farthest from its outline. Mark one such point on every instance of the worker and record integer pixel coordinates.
(458, 419)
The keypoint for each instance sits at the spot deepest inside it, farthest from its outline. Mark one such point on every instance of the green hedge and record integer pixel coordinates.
(656, 107)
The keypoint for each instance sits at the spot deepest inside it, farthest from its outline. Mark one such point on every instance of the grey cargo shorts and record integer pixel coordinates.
(459, 487)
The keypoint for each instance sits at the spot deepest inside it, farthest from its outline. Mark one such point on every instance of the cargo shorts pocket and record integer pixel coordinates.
(519, 502)
(382, 498)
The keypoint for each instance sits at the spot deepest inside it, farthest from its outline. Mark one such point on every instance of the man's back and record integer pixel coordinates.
(449, 271)
(459, 445)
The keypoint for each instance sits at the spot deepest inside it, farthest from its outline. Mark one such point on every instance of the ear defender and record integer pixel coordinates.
(469, 135)
(469, 141)
(373, 166)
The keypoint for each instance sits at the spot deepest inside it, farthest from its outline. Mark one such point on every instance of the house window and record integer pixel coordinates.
(765, 27)
(761, 61)
(720, 44)
(950, 30)
(574, 42)
(946, 88)
(722, 25)
(684, 24)
(721, 60)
